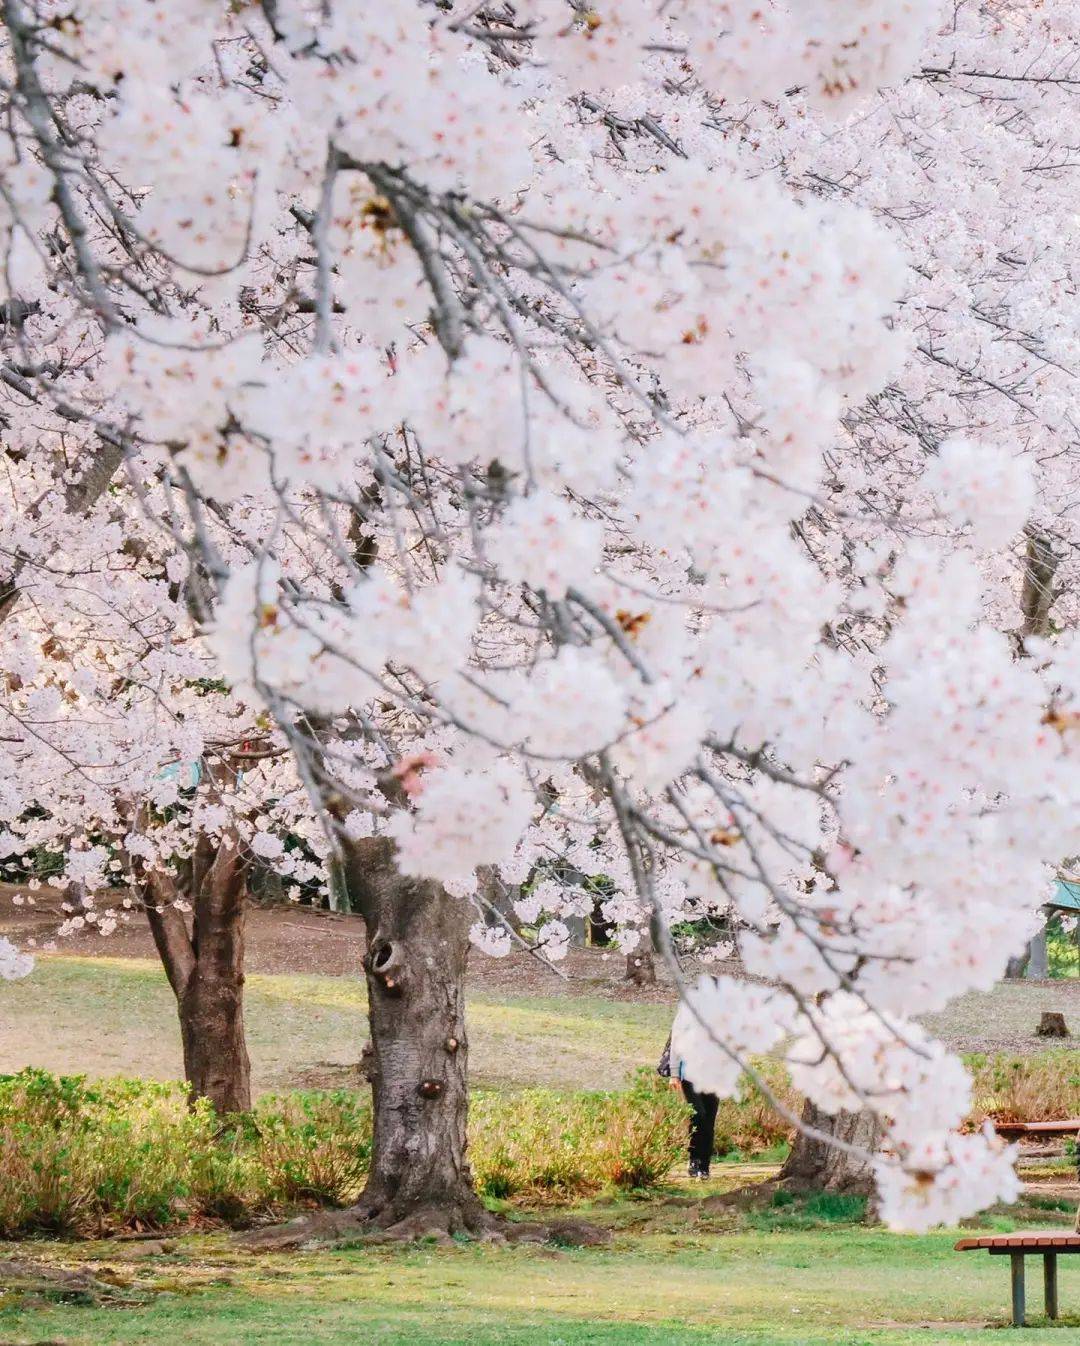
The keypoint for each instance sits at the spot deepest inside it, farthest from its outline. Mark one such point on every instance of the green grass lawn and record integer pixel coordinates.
(681, 1284)
(116, 1016)
(673, 1276)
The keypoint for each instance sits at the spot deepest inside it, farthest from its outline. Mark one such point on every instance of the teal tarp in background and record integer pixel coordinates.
(1066, 896)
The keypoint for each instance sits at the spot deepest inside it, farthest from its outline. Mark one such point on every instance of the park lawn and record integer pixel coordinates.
(679, 1286)
(116, 1016)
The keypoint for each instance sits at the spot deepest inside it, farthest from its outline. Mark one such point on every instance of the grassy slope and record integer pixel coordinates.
(106, 1016)
(835, 1285)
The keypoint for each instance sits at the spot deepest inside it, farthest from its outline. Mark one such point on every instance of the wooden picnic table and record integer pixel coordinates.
(1046, 1245)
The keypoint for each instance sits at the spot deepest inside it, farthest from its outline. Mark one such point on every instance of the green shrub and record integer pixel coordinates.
(1041, 1088)
(312, 1146)
(79, 1159)
(747, 1125)
(541, 1142)
(88, 1160)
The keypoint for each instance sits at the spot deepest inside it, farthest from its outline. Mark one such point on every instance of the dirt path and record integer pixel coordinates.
(287, 940)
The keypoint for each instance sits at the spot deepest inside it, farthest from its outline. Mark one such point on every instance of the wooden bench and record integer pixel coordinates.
(1016, 1130)
(1017, 1247)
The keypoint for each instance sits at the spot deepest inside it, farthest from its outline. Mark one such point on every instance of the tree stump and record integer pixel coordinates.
(1052, 1025)
(640, 968)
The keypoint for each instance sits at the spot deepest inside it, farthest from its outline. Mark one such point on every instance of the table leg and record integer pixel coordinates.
(1017, 1261)
(1050, 1284)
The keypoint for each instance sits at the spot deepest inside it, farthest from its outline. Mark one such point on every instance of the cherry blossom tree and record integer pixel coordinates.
(486, 381)
(126, 756)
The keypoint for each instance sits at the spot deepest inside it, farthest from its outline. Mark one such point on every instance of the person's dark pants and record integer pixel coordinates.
(702, 1126)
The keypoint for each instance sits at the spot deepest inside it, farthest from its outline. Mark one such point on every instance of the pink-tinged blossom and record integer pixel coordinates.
(463, 819)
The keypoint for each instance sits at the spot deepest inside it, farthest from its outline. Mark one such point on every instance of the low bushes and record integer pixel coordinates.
(1005, 1089)
(748, 1126)
(1043, 1088)
(88, 1160)
(540, 1142)
(91, 1159)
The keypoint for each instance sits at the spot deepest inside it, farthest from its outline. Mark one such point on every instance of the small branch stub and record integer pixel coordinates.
(452, 1045)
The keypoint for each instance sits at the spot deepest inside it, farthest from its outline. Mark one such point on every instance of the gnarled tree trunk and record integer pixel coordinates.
(417, 1061)
(205, 968)
(815, 1166)
(420, 1182)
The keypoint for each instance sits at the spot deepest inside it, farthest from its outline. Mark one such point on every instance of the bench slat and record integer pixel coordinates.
(1052, 1240)
(1068, 1127)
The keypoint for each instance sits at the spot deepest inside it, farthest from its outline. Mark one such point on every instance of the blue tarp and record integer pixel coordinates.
(1066, 896)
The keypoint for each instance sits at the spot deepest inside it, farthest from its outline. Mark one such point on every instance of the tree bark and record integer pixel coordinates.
(206, 971)
(1037, 594)
(641, 967)
(815, 1166)
(1037, 597)
(417, 1060)
(1038, 965)
(420, 1183)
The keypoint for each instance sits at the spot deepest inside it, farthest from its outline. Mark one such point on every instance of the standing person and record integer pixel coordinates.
(703, 1115)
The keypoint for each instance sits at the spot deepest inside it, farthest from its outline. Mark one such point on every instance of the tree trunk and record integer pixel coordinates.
(1037, 597)
(417, 1062)
(1037, 594)
(206, 971)
(815, 1166)
(1017, 965)
(420, 1183)
(641, 967)
(601, 930)
(1038, 966)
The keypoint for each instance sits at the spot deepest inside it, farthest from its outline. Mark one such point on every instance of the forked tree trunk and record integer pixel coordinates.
(815, 1166)
(417, 1060)
(205, 968)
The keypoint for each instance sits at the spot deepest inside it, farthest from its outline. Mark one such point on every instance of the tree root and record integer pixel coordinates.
(441, 1224)
(34, 1282)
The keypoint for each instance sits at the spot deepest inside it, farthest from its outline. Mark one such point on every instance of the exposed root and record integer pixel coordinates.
(369, 1222)
(754, 1196)
(37, 1283)
(567, 1233)
(440, 1224)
